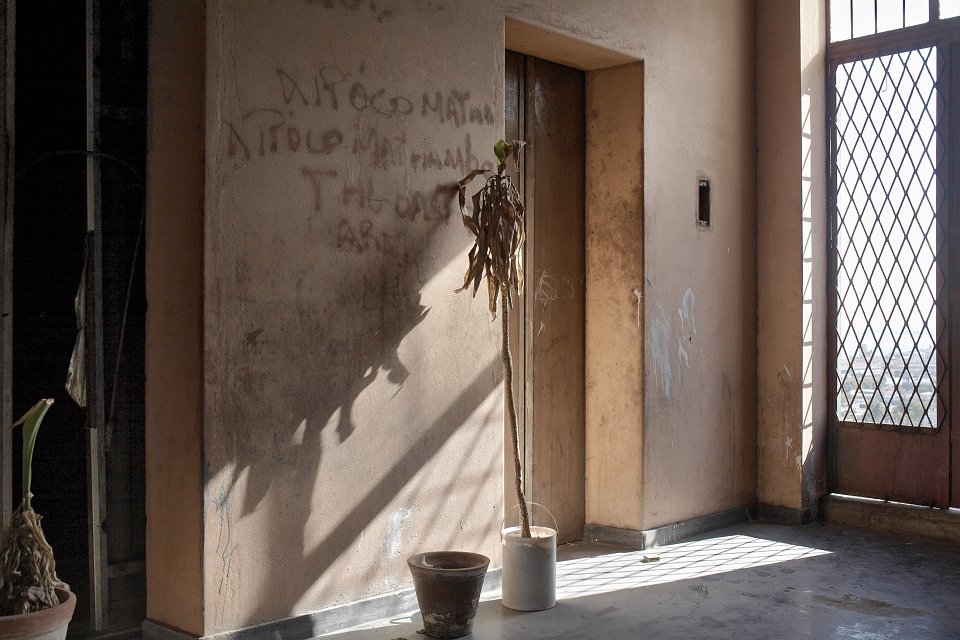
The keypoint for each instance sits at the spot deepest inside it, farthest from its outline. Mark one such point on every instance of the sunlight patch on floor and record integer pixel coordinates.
(610, 572)
(682, 561)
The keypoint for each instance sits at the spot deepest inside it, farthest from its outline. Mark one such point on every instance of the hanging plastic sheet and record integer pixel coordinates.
(76, 373)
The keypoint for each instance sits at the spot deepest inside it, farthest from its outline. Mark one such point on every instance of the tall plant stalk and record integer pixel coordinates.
(496, 222)
(507, 359)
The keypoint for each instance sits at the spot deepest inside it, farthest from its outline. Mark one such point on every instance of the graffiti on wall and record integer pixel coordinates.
(382, 8)
(351, 172)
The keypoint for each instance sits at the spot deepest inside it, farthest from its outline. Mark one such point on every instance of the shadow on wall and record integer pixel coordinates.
(292, 394)
(330, 384)
(351, 525)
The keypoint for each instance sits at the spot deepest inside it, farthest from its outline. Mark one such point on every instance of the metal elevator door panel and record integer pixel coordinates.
(546, 107)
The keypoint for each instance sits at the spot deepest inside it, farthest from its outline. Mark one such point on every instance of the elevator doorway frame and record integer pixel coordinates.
(614, 323)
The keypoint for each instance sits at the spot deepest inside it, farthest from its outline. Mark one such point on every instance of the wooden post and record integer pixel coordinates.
(528, 184)
(96, 462)
(8, 23)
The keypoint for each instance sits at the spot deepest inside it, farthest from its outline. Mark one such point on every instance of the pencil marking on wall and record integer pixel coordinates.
(688, 323)
(394, 537)
(639, 296)
(682, 354)
(686, 331)
(788, 443)
(225, 549)
(382, 9)
(660, 348)
(551, 288)
(668, 340)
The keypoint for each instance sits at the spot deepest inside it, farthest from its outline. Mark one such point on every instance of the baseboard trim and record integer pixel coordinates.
(939, 524)
(667, 534)
(311, 625)
(611, 535)
(786, 515)
(156, 631)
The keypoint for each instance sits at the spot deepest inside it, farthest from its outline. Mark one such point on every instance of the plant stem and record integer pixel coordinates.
(512, 411)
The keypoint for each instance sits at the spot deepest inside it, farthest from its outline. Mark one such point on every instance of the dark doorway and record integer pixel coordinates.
(545, 105)
(78, 207)
(48, 257)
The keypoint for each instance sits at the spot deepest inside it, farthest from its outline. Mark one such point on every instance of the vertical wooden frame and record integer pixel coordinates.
(8, 23)
(529, 182)
(953, 200)
(96, 451)
(515, 122)
(832, 265)
(551, 451)
(944, 217)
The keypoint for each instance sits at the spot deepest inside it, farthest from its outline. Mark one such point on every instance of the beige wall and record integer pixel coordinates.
(779, 254)
(792, 234)
(174, 263)
(700, 285)
(816, 356)
(698, 430)
(352, 399)
(351, 409)
(614, 309)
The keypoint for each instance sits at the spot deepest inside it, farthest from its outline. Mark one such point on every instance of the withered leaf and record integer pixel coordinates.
(496, 222)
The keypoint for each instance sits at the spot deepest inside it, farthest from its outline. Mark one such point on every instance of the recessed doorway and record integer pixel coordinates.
(73, 291)
(545, 106)
(580, 327)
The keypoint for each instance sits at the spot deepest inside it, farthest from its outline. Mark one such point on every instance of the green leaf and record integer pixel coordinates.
(31, 425)
(500, 149)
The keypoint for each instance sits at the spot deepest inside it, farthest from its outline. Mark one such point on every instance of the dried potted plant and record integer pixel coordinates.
(34, 603)
(497, 223)
(448, 583)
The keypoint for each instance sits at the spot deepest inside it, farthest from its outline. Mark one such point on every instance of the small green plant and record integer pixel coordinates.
(28, 576)
(496, 223)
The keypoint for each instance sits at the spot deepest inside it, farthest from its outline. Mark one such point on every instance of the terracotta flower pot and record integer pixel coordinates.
(47, 624)
(448, 587)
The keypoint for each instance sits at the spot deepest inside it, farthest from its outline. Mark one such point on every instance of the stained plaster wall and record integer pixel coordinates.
(780, 253)
(699, 450)
(792, 428)
(614, 309)
(352, 403)
(174, 352)
(816, 357)
(696, 441)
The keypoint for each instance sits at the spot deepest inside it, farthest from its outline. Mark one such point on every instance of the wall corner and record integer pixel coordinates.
(174, 340)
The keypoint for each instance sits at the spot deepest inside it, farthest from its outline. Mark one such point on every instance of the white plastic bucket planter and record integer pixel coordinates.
(530, 567)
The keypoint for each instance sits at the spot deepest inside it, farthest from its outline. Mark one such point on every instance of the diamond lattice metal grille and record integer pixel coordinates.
(888, 193)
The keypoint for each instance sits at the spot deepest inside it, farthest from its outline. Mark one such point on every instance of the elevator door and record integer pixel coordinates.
(546, 107)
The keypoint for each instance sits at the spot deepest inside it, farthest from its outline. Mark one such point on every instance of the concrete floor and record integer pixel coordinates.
(755, 580)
